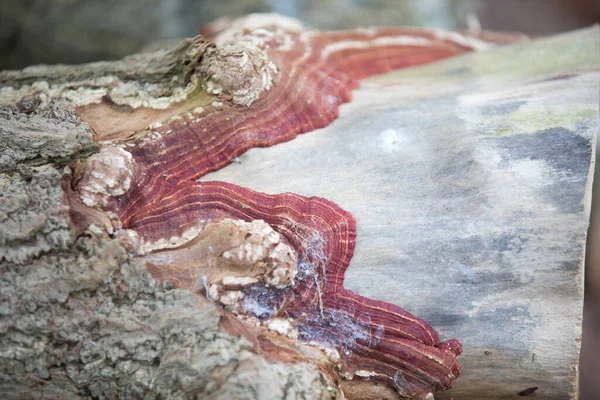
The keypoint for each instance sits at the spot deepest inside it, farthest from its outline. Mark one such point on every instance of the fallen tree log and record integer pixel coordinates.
(129, 272)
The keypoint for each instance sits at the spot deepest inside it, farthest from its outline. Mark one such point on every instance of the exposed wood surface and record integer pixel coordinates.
(470, 181)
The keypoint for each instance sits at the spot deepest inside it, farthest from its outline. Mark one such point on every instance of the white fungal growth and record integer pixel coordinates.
(283, 327)
(129, 238)
(315, 265)
(332, 354)
(230, 298)
(147, 247)
(251, 306)
(366, 374)
(379, 332)
(260, 238)
(347, 375)
(240, 70)
(213, 292)
(261, 254)
(239, 66)
(238, 281)
(107, 174)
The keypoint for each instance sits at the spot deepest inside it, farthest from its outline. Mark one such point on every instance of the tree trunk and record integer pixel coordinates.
(469, 180)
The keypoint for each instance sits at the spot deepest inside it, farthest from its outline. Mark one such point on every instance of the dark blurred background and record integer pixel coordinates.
(77, 31)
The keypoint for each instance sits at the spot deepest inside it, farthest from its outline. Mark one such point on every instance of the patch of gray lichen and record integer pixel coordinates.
(79, 318)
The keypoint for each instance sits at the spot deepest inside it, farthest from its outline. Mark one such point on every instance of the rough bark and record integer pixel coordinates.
(79, 317)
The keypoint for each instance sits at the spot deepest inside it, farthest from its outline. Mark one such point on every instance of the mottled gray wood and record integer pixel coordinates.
(470, 183)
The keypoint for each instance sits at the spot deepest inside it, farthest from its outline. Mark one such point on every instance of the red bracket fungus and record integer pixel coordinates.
(275, 261)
